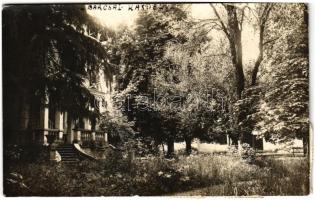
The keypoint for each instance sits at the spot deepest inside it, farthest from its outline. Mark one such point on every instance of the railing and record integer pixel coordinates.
(53, 135)
(100, 136)
(42, 136)
(86, 137)
(90, 138)
(50, 136)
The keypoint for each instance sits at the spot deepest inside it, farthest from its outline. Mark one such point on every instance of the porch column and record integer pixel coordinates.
(77, 135)
(97, 124)
(93, 128)
(87, 124)
(65, 127)
(59, 123)
(44, 121)
(71, 132)
(93, 135)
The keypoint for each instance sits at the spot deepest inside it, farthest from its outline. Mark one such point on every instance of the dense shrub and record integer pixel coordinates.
(152, 175)
(248, 153)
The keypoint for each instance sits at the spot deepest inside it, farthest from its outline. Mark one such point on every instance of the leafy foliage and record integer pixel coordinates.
(119, 129)
(139, 57)
(284, 108)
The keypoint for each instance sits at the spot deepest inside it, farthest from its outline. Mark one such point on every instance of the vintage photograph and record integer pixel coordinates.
(148, 99)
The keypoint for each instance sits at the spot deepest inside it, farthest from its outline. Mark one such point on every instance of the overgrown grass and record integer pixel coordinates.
(290, 176)
(287, 176)
(199, 174)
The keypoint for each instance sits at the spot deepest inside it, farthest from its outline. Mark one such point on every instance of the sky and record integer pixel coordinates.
(124, 16)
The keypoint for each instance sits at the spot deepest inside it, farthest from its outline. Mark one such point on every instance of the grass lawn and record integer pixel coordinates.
(202, 174)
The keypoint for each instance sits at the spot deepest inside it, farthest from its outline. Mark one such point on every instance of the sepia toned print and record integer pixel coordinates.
(185, 99)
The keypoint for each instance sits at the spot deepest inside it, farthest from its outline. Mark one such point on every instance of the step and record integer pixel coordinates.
(65, 147)
(66, 151)
(65, 157)
(68, 154)
(70, 160)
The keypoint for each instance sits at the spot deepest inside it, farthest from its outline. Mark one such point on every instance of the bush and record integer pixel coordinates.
(248, 153)
(152, 175)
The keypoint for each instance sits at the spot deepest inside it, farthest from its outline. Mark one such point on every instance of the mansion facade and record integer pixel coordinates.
(43, 123)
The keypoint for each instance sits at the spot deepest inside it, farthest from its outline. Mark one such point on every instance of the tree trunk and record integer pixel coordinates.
(233, 32)
(256, 67)
(305, 13)
(235, 41)
(170, 148)
(188, 145)
(306, 145)
(262, 23)
(247, 137)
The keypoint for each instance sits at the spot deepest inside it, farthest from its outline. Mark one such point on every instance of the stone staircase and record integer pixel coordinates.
(68, 153)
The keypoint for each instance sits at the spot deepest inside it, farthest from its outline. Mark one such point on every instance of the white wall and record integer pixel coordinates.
(285, 147)
(202, 147)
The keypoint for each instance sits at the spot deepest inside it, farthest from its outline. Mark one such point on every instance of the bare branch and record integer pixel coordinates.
(262, 23)
(204, 24)
(265, 14)
(213, 55)
(221, 21)
(271, 40)
(255, 13)
(209, 19)
(242, 18)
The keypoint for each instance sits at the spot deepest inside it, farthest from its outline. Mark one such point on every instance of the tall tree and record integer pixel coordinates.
(232, 28)
(284, 109)
(196, 83)
(140, 58)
